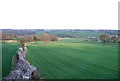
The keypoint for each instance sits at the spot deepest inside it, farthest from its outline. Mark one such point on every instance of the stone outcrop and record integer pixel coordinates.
(23, 70)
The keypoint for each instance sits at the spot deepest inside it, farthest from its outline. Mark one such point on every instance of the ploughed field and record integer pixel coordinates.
(8, 51)
(74, 59)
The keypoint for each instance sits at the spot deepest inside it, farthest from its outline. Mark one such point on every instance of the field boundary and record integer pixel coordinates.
(23, 69)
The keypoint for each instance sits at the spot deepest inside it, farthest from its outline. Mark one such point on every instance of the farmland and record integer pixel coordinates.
(74, 59)
(77, 33)
(8, 51)
(73, 55)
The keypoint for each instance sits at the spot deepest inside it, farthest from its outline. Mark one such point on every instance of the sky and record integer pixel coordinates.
(59, 14)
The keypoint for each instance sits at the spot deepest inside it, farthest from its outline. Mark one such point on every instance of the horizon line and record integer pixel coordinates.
(58, 29)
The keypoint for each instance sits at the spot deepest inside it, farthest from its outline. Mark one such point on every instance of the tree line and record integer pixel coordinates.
(44, 37)
(106, 38)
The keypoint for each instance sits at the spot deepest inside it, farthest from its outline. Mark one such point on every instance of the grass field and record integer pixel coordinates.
(74, 59)
(8, 51)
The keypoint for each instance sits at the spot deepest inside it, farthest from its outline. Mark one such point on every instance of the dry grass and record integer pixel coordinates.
(9, 41)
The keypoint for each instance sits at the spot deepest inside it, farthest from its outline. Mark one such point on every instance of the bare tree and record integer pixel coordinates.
(104, 38)
(29, 38)
(53, 38)
(45, 37)
(36, 38)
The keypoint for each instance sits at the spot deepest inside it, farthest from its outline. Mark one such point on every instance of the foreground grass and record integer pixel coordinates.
(8, 51)
(67, 60)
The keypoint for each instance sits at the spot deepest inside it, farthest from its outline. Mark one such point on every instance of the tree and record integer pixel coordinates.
(22, 42)
(29, 38)
(53, 38)
(36, 38)
(104, 38)
(45, 37)
(8, 36)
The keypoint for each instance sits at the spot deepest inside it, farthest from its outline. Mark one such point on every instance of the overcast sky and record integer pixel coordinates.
(59, 14)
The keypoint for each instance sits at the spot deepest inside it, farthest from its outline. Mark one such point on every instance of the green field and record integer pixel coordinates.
(8, 51)
(73, 33)
(74, 59)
